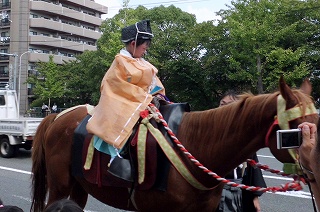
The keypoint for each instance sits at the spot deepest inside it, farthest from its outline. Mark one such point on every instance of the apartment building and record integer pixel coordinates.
(31, 30)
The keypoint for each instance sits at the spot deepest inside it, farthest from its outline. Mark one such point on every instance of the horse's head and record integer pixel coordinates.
(293, 107)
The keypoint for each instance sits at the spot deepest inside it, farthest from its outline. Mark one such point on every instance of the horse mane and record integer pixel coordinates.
(247, 110)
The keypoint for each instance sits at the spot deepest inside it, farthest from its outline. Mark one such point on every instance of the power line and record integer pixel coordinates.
(148, 5)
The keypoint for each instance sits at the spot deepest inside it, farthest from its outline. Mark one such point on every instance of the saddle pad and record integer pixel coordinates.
(80, 134)
(98, 173)
(157, 166)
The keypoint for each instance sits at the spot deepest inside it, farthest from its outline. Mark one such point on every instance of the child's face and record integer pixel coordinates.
(139, 51)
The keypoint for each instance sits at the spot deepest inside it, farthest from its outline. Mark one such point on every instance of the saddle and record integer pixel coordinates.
(123, 171)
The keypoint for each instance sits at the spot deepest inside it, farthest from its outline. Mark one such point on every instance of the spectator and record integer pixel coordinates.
(235, 199)
(44, 109)
(54, 108)
(64, 205)
(9, 208)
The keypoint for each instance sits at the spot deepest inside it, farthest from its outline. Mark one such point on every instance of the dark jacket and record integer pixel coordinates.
(252, 177)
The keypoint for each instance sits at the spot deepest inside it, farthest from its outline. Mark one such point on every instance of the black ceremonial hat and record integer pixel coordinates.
(140, 29)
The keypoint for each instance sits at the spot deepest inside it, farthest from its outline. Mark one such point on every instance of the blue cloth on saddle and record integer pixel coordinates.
(104, 147)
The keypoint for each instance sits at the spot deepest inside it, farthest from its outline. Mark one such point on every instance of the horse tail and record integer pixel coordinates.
(39, 183)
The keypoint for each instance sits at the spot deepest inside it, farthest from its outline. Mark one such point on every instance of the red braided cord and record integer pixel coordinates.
(267, 168)
(296, 185)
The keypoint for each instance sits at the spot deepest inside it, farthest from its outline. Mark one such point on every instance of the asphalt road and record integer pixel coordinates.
(15, 187)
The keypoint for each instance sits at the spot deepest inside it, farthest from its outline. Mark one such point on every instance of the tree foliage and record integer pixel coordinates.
(253, 44)
(49, 83)
(269, 38)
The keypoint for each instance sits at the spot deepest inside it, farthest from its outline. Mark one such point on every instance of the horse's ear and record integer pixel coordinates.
(306, 87)
(285, 90)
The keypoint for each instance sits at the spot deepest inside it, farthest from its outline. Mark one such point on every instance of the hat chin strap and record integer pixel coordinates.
(134, 49)
(135, 41)
(136, 38)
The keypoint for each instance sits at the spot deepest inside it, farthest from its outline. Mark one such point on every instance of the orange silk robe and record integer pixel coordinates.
(124, 94)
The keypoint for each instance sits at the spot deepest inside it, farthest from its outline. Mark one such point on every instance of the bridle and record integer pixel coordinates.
(282, 120)
(284, 116)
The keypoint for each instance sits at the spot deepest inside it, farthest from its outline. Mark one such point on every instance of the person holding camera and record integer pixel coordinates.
(235, 199)
(309, 158)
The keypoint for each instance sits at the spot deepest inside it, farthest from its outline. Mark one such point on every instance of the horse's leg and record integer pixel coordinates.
(79, 195)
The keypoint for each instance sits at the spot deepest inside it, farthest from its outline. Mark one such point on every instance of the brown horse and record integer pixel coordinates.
(219, 138)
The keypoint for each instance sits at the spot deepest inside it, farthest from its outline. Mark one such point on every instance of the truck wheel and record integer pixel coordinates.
(6, 149)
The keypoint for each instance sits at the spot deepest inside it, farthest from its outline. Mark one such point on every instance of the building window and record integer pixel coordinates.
(2, 100)
(34, 15)
(2, 56)
(4, 71)
(63, 54)
(5, 34)
(33, 33)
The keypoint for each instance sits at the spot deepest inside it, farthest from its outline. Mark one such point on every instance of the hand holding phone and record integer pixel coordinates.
(288, 139)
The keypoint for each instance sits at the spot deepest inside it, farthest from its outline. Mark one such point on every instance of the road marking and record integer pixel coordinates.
(266, 156)
(15, 170)
(299, 194)
(23, 198)
(278, 178)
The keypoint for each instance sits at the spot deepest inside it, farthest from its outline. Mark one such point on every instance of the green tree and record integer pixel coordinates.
(261, 35)
(175, 50)
(49, 83)
(84, 78)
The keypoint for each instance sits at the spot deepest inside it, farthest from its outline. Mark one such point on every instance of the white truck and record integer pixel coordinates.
(15, 131)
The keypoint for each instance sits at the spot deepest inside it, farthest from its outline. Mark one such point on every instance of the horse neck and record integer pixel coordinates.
(223, 138)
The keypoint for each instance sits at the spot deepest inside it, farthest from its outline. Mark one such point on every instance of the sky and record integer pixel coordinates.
(203, 9)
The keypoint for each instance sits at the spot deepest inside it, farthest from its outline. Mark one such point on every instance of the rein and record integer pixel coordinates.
(295, 185)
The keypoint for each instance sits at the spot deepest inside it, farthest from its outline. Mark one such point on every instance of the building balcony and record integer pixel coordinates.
(59, 10)
(5, 40)
(58, 59)
(59, 43)
(64, 28)
(89, 4)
